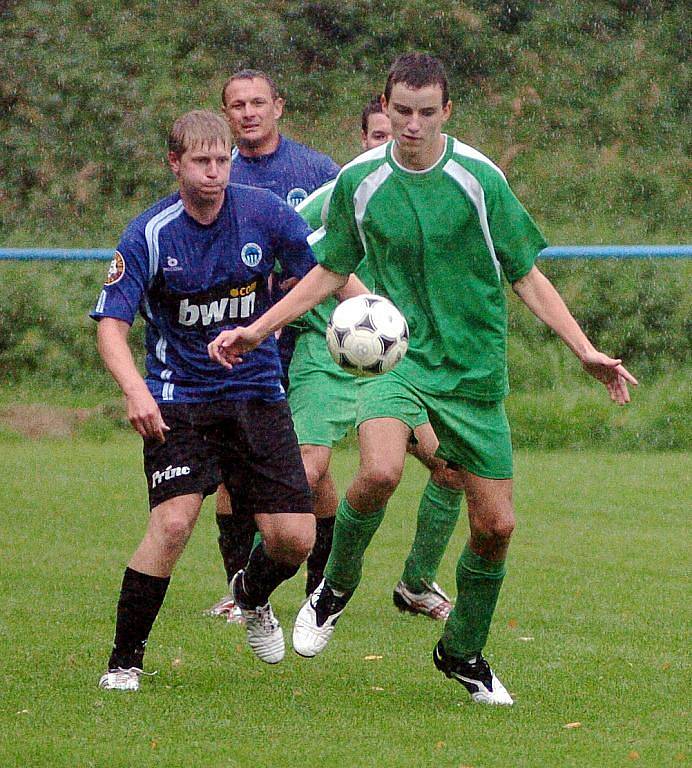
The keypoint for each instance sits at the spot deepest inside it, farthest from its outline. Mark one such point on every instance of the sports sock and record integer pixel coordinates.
(141, 597)
(261, 577)
(320, 553)
(478, 586)
(438, 513)
(353, 532)
(235, 540)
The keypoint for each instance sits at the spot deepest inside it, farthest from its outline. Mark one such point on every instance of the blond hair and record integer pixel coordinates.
(199, 128)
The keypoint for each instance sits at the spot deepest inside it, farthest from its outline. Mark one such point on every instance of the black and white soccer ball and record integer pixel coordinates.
(367, 335)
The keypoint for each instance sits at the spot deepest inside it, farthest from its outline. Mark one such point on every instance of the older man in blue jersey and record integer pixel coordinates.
(198, 262)
(264, 158)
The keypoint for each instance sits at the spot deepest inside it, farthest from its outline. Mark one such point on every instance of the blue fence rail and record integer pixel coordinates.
(553, 252)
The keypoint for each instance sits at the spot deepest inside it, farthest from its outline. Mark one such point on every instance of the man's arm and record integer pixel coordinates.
(142, 410)
(227, 348)
(353, 287)
(541, 297)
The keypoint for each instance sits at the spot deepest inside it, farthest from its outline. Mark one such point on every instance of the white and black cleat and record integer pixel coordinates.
(476, 676)
(316, 620)
(122, 679)
(264, 633)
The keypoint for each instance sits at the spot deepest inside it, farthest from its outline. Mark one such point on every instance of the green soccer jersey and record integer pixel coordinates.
(437, 243)
(313, 210)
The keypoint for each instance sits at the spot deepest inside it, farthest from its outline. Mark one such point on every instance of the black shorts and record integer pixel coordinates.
(249, 445)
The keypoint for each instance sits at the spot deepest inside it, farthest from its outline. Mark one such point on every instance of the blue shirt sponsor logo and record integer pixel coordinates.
(191, 281)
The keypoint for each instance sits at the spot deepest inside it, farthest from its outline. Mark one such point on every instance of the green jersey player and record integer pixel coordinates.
(323, 398)
(439, 227)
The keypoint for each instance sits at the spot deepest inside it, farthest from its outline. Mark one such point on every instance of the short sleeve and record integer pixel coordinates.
(516, 237)
(341, 247)
(292, 250)
(126, 280)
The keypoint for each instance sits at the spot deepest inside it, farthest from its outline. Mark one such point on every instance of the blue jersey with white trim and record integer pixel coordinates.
(190, 281)
(292, 171)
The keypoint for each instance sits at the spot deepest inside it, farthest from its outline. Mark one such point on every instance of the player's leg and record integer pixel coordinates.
(357, 519)
(264, 473)
(316, 460)
(438, 512)
(475, 436)
(179, 473)
(322, 398)
(235, 543)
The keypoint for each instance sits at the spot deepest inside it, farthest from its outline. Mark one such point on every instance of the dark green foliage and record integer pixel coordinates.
(585, 105)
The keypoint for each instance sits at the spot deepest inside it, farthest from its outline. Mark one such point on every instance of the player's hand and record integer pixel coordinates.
(289, 283)
(228, 347)
(610, 372)
(145, 416)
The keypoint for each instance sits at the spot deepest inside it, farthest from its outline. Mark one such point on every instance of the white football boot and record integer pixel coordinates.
(264, 633)
(227, 609)
(476, 676)
(432, 602)
(316, 620)
(121, 679)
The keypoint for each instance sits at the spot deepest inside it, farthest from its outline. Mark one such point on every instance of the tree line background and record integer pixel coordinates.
(585, 105)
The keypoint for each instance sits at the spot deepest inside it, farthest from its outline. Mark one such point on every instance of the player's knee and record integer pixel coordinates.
(381, 481)
(314, 474)
(175, 530)
(498, 527)
(291, 545)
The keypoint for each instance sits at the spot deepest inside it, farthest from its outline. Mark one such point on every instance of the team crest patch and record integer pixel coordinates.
(296, 196)
(251, 254)
(116, 269)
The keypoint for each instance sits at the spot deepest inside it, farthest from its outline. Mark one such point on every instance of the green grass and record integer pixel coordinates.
(590, 628)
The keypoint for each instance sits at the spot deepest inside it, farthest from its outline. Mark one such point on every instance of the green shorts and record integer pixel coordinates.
(321, 395)
(473, 434)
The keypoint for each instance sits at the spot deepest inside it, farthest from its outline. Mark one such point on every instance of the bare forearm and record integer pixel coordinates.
(116, 355)
(541, 297)
(353, 287)
(310, 291)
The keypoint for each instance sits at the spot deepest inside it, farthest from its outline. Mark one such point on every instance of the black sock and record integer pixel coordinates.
(262, 576)
(236, 533)
(317, 561)
(140, 600)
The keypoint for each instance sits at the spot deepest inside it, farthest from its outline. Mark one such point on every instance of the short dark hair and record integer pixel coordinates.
(371, 108)
(250, 74)
(416, 70)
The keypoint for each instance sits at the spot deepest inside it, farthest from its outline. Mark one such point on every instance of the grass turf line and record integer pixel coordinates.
(596, 581)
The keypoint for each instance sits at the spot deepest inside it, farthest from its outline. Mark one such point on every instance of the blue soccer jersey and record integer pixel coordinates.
(190, 281)
(292, 171)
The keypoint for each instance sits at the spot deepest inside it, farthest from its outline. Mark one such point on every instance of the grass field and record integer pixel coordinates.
(589, 636)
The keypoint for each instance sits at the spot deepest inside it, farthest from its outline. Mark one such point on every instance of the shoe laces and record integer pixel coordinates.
(433, 586)
(125, 673)
(265, 618)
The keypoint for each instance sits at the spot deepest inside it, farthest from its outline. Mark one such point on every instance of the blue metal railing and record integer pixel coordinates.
(553, 252)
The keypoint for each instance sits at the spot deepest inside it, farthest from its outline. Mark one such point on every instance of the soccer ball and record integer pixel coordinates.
(367, 335)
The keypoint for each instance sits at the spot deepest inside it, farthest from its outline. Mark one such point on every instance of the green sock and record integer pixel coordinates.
(478, 586)
(437, 517)
(353, 532)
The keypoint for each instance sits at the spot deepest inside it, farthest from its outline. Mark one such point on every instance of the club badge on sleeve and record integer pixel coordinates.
(116, 269)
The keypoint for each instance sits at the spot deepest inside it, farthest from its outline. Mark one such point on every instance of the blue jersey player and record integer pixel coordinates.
(264, 158)
(196, 263)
